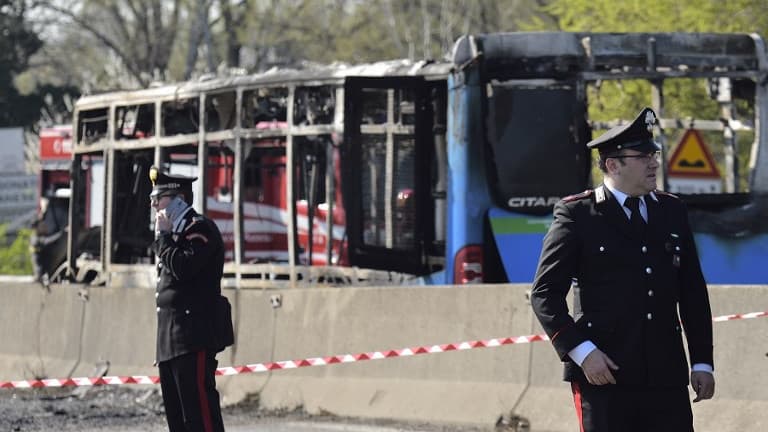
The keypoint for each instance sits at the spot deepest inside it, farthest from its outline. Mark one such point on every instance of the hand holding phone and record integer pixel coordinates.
(162, 222)
(175, 208)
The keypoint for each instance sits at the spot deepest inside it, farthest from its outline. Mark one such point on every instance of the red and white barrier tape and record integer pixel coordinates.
(740, 316)
(315, 361)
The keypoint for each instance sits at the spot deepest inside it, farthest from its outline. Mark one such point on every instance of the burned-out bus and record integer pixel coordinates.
(430, 172)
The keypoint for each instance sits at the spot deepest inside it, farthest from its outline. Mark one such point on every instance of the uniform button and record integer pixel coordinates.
(160, 265)
(644, 249)
(589, 324)
(159, 279)
(157, 294)
(649, 316)
(677, 248)
(648, 270)
(158, 310)
(650, 293)
(186, 311)
(602, 249)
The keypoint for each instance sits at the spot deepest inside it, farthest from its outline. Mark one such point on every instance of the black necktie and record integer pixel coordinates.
(636, 220)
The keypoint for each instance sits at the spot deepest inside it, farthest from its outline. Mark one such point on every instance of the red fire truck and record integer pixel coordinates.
(49, 244)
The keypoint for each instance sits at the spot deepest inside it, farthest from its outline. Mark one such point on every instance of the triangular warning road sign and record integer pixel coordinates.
(692, 158)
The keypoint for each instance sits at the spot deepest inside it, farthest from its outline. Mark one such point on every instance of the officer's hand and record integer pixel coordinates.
(703, 384)
(597, 368)
(162, 223)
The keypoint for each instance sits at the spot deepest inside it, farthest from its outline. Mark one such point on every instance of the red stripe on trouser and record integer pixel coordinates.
(205, 409)
(577, 401)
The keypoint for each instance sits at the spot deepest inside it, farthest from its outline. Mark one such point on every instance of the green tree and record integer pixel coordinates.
(118, 44)
(17, 43)
(660, 15)
(427, 29)
(135, 38)
(683, 98)
(15, 258)
(355, 31)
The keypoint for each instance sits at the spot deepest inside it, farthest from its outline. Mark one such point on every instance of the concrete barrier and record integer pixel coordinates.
(73, 329)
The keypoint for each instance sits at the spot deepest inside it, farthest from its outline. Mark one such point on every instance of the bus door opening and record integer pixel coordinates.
(390, 173)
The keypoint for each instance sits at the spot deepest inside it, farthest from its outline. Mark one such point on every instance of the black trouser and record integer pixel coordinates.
(617, 408)
(189, 393)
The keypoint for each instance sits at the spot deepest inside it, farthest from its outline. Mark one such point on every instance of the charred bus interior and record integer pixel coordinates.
(545, 96)
(131, 225)
(268, 163)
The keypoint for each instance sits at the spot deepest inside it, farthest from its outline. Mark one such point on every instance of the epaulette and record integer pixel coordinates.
(193, 236)
(661, 192)
(578, 196)
(197, 235)
(195, 219)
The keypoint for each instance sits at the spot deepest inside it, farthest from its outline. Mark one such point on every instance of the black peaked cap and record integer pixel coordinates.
(163, 183)
(637, 135)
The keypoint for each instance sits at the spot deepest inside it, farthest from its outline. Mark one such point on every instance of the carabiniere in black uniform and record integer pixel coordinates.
(189, 282)
(189, 268)
(626, 288)
(629, 282)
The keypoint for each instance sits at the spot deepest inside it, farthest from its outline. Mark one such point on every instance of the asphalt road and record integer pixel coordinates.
(139, 409)
(287, 426)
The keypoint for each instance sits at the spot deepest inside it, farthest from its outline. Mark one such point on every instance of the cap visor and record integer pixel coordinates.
(646, 147)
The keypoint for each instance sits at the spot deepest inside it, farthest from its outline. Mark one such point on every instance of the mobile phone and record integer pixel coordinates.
(175, 207)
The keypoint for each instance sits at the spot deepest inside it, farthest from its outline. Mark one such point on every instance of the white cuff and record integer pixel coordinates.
(581, 351)
(702, 367)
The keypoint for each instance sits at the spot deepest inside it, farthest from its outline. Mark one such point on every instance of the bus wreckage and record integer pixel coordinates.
(410, 172)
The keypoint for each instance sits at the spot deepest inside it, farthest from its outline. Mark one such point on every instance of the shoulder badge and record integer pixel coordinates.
(578, 196)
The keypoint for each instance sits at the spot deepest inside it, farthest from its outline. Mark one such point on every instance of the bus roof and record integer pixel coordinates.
(614, 54)
(310, 74)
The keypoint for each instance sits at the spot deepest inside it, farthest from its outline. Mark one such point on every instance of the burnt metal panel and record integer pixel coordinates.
(672, 50)
(558, 54)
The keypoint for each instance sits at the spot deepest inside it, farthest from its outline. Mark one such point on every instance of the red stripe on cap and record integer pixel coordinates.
(205, 409)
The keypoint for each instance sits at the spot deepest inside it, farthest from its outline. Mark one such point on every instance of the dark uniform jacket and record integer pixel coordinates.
(189, 269)
(627, 288)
